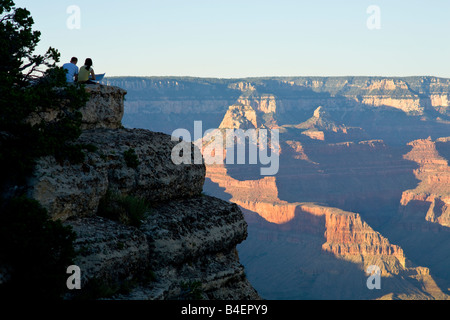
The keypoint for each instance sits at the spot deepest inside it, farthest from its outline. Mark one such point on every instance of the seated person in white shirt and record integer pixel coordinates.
(72, 70)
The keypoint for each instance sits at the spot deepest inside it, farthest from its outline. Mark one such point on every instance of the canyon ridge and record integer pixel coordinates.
(363, 177)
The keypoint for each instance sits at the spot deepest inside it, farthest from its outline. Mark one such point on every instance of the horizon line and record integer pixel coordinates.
(274, 76)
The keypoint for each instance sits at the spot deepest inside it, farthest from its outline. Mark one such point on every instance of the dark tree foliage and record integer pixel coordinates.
(34, 250)
(31, 83)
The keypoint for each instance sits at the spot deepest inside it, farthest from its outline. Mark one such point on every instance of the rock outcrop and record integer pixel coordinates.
(349, 237)
(430, 200)
(104, 109)
(67, 190)
(108, 251)
(240, 116)
(194, 240)
(186, 242)
(321, 126)
(184, 246)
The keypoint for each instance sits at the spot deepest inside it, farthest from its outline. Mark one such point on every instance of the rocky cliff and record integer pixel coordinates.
(104, 109)
(182, 247)
(432, 193)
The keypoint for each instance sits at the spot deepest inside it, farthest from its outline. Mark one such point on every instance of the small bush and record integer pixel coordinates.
(191, 290)
(131, 158)
(126, 209)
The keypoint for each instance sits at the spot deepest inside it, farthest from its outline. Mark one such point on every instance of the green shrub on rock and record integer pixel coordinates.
(126, 209)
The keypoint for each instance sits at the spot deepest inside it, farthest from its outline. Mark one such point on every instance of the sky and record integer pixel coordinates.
(249, 38)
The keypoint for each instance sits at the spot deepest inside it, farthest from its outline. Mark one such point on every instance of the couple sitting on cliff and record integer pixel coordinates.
(85, 75)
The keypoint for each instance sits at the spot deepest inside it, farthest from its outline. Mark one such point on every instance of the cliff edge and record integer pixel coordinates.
(183, 247)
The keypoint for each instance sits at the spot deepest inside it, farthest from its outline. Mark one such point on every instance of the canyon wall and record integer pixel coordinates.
(291, 98)
(314, 251)
(338, 170)
(432, 193)
(358, 183)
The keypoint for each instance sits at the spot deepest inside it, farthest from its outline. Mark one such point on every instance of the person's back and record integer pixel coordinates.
(72, 70)
(85, 72)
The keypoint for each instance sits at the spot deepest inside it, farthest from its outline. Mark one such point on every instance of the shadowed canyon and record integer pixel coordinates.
(363, 179)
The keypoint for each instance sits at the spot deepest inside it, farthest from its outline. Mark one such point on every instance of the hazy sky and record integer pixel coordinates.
(245, 38)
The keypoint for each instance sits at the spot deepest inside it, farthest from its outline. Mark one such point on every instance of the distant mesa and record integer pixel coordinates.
(321, 126)
(321, 120)
(243, 86)
(240, 116)
(251, 111)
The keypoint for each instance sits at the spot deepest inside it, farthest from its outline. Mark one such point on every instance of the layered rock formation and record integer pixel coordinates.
(164, 104)
(349, 237)
(412, 95)
(104, 109)
(67, 190)
(345, 233)
(195, 240)
(347, 163)
(432, 195)
(240, 116)
(185, 245)
(299, 241)
(321, 126)
(312, 170)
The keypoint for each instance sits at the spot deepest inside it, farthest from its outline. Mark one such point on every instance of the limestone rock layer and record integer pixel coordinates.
(184, 246)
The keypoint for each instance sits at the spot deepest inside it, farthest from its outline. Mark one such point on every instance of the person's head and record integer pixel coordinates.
(88, 63)
(74, 60)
